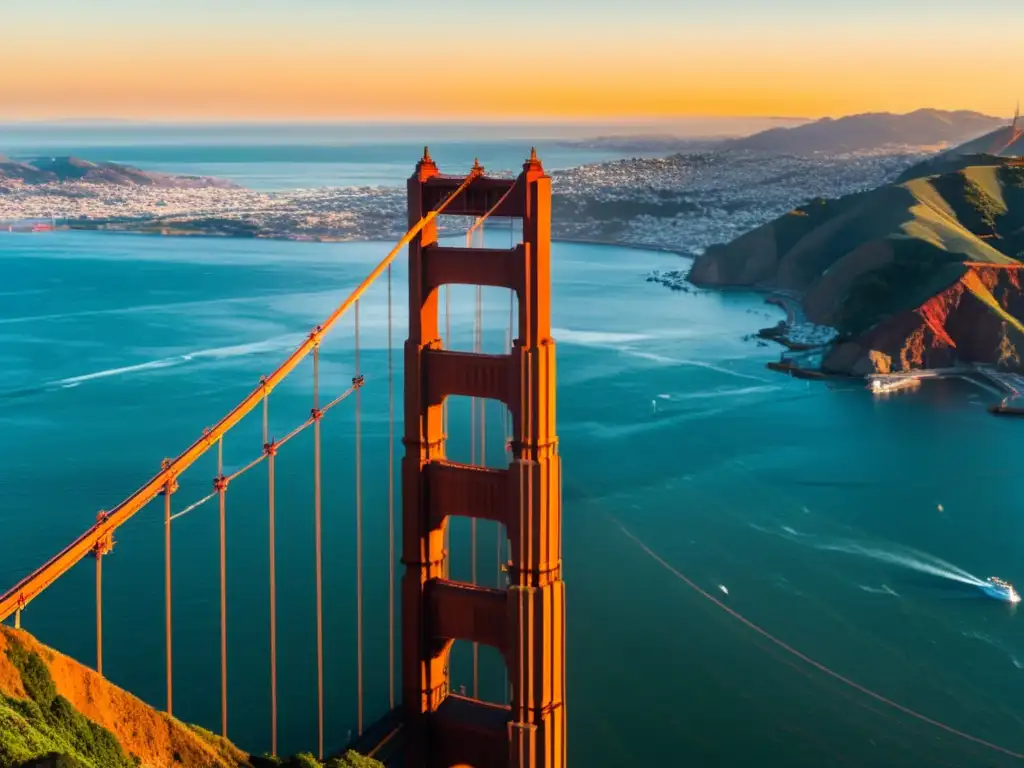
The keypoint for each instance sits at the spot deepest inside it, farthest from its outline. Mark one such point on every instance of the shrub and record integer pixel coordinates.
(46, 725)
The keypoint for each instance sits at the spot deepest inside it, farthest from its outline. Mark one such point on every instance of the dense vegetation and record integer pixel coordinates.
(974, 207)
(306, 760)
(46, 724)
(45, 729)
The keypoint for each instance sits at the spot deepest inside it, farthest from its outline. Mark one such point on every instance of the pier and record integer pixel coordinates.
(1006, 383)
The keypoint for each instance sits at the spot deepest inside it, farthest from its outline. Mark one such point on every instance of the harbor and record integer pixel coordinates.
(1007, 384)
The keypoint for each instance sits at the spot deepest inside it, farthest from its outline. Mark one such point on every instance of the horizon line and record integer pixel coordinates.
(386, 120)
(554, 120)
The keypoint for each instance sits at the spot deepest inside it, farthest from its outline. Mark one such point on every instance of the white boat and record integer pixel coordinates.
(1000, 590)
(882, 385)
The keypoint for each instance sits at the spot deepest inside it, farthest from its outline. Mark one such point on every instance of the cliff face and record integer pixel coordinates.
(919, 274)
(954, 326)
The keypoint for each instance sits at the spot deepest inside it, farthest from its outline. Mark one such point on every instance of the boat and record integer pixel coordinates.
(1000, 590)
(880, 385)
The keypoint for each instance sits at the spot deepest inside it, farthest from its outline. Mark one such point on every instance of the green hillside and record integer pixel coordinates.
(886, 268)
(1004, 142)
(863, 257)
(56, 713)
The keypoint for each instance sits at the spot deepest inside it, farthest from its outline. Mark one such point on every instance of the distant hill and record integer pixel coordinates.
(56, 170)
(872, 131)
(1005, 141)
(885, 268)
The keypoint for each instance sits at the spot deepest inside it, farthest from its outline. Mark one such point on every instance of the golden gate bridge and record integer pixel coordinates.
(428, 723)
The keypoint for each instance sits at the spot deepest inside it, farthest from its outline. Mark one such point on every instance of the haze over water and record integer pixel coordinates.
(117, 350)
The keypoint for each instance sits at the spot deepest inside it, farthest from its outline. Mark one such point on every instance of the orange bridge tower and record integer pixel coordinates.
(526, 622)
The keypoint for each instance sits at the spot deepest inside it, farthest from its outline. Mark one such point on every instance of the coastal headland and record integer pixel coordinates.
(916, 275)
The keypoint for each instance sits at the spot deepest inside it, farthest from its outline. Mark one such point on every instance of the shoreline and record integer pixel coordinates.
(297, 238)
(778, 334)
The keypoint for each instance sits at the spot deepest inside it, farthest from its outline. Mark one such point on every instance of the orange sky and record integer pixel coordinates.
(214, 65)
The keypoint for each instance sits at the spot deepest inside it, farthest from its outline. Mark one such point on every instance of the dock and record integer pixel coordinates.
(1005, 384)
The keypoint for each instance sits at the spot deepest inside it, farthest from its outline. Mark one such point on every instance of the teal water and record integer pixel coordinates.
(801, 500)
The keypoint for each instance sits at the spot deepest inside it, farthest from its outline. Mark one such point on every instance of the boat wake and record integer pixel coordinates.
(722, 392)
(275, 344)
(900, 556)
(904, 557)
(809, 660)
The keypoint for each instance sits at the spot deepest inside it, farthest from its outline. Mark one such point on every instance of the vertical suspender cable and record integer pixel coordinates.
(99, 609)
(319, 555)
(473, 455)
(221, 488)
(167, 596)
(474, 460)
(359, 538)
(444, 419)
(483, 461)
(271, 524)
(266, 413)
(506, 545)
(391, 511)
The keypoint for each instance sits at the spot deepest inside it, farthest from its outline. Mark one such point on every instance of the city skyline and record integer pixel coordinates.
(314, 60)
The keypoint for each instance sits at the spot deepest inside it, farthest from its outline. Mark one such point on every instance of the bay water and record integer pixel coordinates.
(846, 533)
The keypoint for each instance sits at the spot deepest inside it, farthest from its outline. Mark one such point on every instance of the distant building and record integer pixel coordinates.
(28, 225)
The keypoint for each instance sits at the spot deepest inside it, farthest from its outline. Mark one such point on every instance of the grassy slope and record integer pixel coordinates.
(870, 255)
(51, 705)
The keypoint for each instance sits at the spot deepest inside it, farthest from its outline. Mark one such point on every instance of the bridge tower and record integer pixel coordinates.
(526, 621)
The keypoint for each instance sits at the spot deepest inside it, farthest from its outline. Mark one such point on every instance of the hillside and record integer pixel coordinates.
(1005, 141)
(886, 269)
(56, 712)
(872, 131)
(60, 170)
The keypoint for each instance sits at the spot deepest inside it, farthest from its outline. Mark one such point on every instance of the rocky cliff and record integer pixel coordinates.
(953, 326)
(916, 274)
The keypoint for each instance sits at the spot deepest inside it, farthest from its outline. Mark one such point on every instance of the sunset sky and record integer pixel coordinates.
(529, 59)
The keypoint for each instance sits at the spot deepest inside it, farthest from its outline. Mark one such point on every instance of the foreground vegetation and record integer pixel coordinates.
(43, 729)
(47, 725)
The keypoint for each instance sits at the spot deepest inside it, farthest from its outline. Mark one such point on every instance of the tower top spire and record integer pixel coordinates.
(533, 164)
(426, 167)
